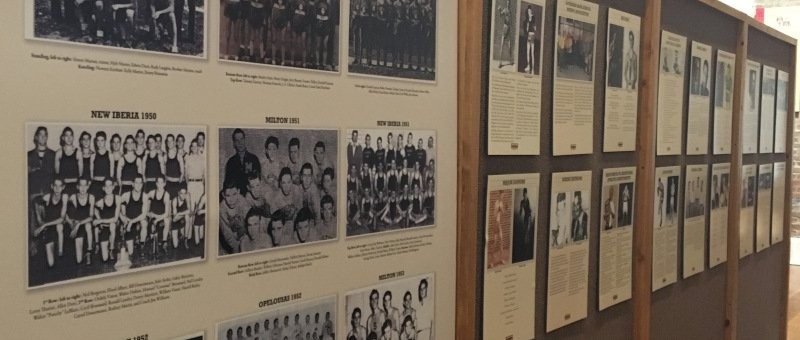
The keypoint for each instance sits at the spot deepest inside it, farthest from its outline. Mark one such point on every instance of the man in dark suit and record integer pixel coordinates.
(241, 165)
(354, 151)
(579, 219)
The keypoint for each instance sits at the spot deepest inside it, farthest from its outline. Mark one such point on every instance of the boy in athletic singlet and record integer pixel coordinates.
(135, 205)
(164, 10)
(54, 207)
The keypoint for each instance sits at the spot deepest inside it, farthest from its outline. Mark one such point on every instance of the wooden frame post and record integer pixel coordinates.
(735, 192)
(470, 33)
(645, 172)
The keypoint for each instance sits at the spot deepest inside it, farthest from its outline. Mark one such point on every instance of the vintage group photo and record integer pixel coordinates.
(695, 201)
(278, 188)
(617, 206)
(623, 59)
(569, 220)
(391, 180)
(700, 84)
(110, 199)
(666, 201)
(314, 320)
(575, 48)
(167, 26)
(402, 309)
(288, 33)
(393, 38)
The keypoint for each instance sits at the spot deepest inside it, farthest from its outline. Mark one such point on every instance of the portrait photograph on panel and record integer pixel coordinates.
(723, 85)
(719, 191)
(529, 42)
(765, 182)
(505, 47)
(391, 184)
(695, 196)
(394, 39)
(166, 26)
(283, 33)
(610, 213)
(782, 103)
(749, 191)
(575, 49)
(569, 220)
(112, 199)
(315, 319)
(700, 79)
(524, 228)
(625, 211)
(666, 201)
(278, 188)
(499, 229)
(752, 88)
(615, 52)
(671, 60)
(768, 85)
(401, 309)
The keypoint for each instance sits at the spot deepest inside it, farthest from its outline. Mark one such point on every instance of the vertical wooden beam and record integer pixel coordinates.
(470, 33)
(645, 174)
(787, 205)
(734, 194)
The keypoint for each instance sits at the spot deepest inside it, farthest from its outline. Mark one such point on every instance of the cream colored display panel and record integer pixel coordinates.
(121, 90)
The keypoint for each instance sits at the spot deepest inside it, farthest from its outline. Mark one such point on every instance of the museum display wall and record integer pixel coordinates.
(626, 154)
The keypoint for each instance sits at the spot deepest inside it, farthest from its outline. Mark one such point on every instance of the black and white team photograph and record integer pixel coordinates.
(166, 26)
(391, 179)
(287, 33)
(111, 199)
(277, 188)
(395, 310)
(393, 38)
(311, 320)
(569, 221)
(749, 191)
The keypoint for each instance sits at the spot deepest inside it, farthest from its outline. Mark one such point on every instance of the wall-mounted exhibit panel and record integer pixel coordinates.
(229, 169)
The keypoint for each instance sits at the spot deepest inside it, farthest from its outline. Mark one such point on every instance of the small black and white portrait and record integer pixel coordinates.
(505, 46)
(569, 221)
(610, 207)
(285, 33)
(748, 191)
(752, 88)
(393, 38)
(666, 201)
(700, 77)
(616, 39)
(575, 49)
(315, 319)
(530, 41)
(402, 309)
(111, 199)
(625, 210)
(524, 224)
(695, 196)
(671, 60)
(277, 188)
(166, 26)
(391, 179)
